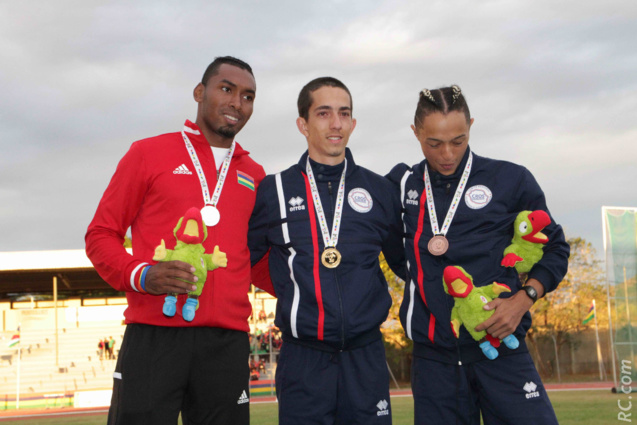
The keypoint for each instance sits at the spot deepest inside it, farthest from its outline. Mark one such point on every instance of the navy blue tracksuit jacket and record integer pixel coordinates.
(480, 231)
(328, 309)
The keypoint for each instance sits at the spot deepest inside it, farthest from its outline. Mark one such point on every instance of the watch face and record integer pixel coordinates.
(531, 292)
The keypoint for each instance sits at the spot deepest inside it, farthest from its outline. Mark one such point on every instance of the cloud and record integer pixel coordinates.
(551, 85)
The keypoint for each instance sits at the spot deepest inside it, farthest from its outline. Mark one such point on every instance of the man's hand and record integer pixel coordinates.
(507, 315)
(509, 311)
(163, 278)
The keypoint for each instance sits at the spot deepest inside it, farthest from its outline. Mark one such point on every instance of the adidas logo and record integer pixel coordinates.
(530, 388)
(295, 203)
(412, 195)
(243, 398)
(182, 169)
(382, 408)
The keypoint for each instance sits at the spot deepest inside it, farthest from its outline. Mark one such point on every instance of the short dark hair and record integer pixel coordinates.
(443, 100)
(213, 68)
(305, 96)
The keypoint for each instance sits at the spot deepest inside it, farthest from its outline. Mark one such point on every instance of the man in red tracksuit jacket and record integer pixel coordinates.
(193, 364)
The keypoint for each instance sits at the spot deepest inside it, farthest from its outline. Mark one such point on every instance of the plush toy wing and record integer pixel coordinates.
(161, 253)
(216, 259)
(455, 322)
(495, 289)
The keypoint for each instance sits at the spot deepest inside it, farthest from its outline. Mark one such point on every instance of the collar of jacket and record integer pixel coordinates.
(438, 179)
(324, 173)
(199, 140)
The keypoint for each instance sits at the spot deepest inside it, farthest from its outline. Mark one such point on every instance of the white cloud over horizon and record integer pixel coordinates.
(551, 84)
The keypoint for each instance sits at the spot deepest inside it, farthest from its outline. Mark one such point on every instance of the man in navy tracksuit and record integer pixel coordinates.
(452, 380)
(325, 221)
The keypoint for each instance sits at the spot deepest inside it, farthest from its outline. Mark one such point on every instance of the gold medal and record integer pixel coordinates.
(438, 245)
(331, 258)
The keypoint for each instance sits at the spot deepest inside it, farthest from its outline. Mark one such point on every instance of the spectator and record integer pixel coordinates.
(100, 349)
(107, 349)
(111, 347)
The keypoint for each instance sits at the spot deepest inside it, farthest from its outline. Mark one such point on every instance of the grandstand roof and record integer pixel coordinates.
(33, 271)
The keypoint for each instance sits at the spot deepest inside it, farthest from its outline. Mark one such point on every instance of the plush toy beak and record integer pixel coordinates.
(538, 220)
(459, 285)
(192, 228)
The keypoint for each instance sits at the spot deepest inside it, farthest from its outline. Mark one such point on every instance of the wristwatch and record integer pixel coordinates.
(530, 292)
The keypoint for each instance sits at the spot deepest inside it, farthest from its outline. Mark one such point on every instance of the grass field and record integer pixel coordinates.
(572, 407)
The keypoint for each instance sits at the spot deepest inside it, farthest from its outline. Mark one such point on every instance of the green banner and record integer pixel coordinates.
(621, 244)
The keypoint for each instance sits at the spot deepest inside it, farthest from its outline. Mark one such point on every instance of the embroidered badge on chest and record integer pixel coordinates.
(360, 200)
(478, 197)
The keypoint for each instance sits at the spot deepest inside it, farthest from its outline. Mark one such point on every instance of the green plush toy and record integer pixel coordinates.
(528, 240)
(468, 308)
(190, 234)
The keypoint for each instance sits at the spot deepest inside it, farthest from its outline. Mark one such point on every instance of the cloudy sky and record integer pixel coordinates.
(551, 85)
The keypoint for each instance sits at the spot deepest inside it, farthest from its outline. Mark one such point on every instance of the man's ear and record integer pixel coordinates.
(197, 93)
(302, 126)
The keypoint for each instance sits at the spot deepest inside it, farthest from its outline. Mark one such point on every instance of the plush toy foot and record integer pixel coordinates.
(170, 307)
(189, 309)
(488, 350)
(511, 341)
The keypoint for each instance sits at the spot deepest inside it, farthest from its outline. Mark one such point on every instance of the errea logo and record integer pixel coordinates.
(296, 203)
(413, 196)
(530, 388)
(382, 408)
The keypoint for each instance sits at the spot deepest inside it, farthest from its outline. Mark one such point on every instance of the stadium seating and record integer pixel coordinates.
(79, 366)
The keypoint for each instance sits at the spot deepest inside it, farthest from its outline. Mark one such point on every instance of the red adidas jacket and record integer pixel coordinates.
(154, 185)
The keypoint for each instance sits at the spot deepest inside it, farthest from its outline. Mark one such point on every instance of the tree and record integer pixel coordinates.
(560, 313)
(397, 346)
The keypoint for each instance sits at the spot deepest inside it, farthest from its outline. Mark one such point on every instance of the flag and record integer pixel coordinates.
(590, 316)
(15, 340)
(245, 179)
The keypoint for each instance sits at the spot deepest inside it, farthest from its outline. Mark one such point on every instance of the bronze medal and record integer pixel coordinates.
(438, 245)
(331, 258)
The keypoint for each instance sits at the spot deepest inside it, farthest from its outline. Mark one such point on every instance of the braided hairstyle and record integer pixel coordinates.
(443, 100)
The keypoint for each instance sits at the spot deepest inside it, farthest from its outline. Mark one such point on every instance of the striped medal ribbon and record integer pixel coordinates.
(209, 213)
(330, 257)
(439, 244)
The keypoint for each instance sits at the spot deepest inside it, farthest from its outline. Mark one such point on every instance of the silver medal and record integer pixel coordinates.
(210, 215)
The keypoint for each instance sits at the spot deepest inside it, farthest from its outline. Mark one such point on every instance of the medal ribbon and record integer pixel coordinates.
(330, 241)
(433, 219)
(202, 177)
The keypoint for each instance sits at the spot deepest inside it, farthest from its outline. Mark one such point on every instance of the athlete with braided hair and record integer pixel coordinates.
(459, 209)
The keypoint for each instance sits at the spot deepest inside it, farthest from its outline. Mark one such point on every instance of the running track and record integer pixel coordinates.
(30, 414)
